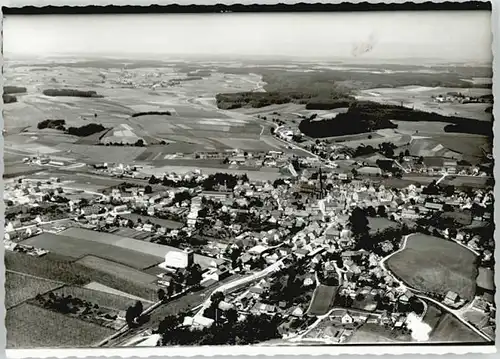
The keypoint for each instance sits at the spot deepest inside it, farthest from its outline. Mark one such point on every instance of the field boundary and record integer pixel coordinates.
(26, 301)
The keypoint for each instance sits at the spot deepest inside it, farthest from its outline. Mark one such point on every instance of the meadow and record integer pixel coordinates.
(154, 252)
(451, 330)
(78, 247)
(116, 269)
(322, 300)
(436, 265)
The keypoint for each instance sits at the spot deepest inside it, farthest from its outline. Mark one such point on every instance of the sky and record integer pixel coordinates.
(447, 36)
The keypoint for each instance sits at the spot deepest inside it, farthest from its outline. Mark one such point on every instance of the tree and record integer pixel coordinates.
(170, 289)
(370, 211)
(359, 222)
(449, 190)
(139, 143)
(153, 180)
(138, 307)
(130, 316)
(84, 202)
(216, 298)
(194, 276)
(168, 324)
(148, 189)
(232, 315)
(359, 297)
(381, 211)
(416, 305)
(407, 153)
(161, 294)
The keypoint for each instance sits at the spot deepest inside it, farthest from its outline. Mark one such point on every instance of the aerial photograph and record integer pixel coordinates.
(264, 179)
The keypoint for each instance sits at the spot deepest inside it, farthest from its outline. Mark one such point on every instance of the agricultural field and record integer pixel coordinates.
(322, 300)
(79, 247)
(62, 269)
(52, 329)
(432, 264)
(419, 97)
(194, 124)
(116, 269)
(20, 287)
(95, 286)
(147, 249)
(451, 330)
(101, 298)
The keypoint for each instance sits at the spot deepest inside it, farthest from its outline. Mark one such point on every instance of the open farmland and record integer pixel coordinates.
(116, 269)
(105, 289)
(194, 124)
(419, 97)
(451, 330)
(78, 247)
(147, 249)
(322, 300)
(20, 287)
(432, 264)
(62, 269)
(52, 329)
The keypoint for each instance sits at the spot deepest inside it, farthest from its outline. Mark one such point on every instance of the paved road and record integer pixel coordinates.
(190, 301)
(225, 288)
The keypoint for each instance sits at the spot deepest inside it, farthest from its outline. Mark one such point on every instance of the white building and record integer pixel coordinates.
(178, 259)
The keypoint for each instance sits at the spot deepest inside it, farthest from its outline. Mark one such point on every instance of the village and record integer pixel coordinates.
(313, 249)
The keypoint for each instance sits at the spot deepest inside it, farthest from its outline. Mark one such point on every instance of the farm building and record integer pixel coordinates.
(176, 260)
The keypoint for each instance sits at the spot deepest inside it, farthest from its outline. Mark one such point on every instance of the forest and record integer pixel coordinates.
(366, 116)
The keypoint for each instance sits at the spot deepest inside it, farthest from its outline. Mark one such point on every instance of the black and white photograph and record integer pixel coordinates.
(231, 178)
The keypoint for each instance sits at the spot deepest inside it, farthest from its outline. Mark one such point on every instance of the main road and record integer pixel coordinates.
(182, 304)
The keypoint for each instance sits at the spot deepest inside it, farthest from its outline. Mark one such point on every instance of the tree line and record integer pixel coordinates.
(367, 116)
